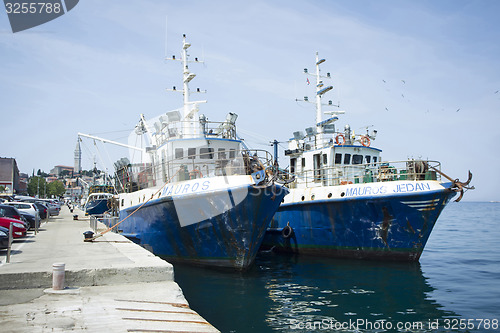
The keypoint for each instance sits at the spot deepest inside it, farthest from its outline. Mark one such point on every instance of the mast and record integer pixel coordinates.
(319, 93)
(190, 121)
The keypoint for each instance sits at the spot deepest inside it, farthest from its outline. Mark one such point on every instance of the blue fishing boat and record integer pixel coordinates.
(345, 201)
(98, 201)
(192, 191)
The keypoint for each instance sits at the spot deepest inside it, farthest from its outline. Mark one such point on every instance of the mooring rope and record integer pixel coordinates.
(145, 202)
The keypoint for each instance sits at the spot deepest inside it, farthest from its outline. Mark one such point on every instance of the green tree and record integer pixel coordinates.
(2, 188)
(55, 188)
(36, 185)
(65, 173)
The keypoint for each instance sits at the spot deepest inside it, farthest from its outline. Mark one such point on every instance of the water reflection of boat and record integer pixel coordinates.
(346, 202)
(284, 292)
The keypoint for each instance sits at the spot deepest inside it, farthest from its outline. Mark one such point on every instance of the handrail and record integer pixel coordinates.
(207, 164)
(204, 130)
(368, 173)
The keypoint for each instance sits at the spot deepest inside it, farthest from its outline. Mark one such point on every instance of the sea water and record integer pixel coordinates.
(454, 288)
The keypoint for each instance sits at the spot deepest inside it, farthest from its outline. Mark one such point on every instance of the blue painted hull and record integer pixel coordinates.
(393, 227)
(97, 207)
(230, 239)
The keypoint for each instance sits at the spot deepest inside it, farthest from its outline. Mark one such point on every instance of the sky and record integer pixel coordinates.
(424, 74)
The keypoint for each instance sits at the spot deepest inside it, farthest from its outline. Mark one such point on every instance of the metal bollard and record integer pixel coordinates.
(58, 276)
(11, 238)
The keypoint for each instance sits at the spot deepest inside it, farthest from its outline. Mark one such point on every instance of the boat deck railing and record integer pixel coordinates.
(135, 177)
(368, 173)
(194, 129)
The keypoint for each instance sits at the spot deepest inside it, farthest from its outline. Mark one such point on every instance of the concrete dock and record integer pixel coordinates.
(111, 284)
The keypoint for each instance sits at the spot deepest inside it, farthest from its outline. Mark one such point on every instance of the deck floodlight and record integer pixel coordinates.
(320, 61)
(298, 135)
(311, 131)
(124, 161)
(306, 98)
(329, 128)
(190, 77)
(173, 116)
(330, 102)
(305, 70)
(328, 75)
(231, 117)
(324, 90)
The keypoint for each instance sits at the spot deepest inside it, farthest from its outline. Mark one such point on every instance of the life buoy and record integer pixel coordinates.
(365, 141)
(194, 172)
(338, 141)
(287, 231)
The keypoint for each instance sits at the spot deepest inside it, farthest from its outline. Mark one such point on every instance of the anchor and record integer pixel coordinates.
(457, 185)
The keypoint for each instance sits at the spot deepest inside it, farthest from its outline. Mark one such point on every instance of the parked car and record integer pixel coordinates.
(18, 228)
(53, 208)
(27, 207)
(9, 211)
(13, 213)
(30, 219)
(4, 238)
(43, 210)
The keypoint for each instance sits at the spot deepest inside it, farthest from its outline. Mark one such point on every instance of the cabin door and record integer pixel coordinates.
(318, 176)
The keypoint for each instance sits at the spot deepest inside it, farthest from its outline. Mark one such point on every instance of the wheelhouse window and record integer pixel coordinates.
(368, 159)
(232, 153)
(222, 154)
(357, 159)
(325, 159)
(179, 153)
(347, 159)
(374, 159)
(192, 153)
(303, 162)
(206, 153)
(338, 158)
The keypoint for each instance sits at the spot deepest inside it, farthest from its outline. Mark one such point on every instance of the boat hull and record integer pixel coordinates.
(97, 207)
(186, 229)
(389, 227)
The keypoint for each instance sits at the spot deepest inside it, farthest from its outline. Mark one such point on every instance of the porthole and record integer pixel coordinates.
(312, 197)
(329, 195)
(303, 198)
(342, 194)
